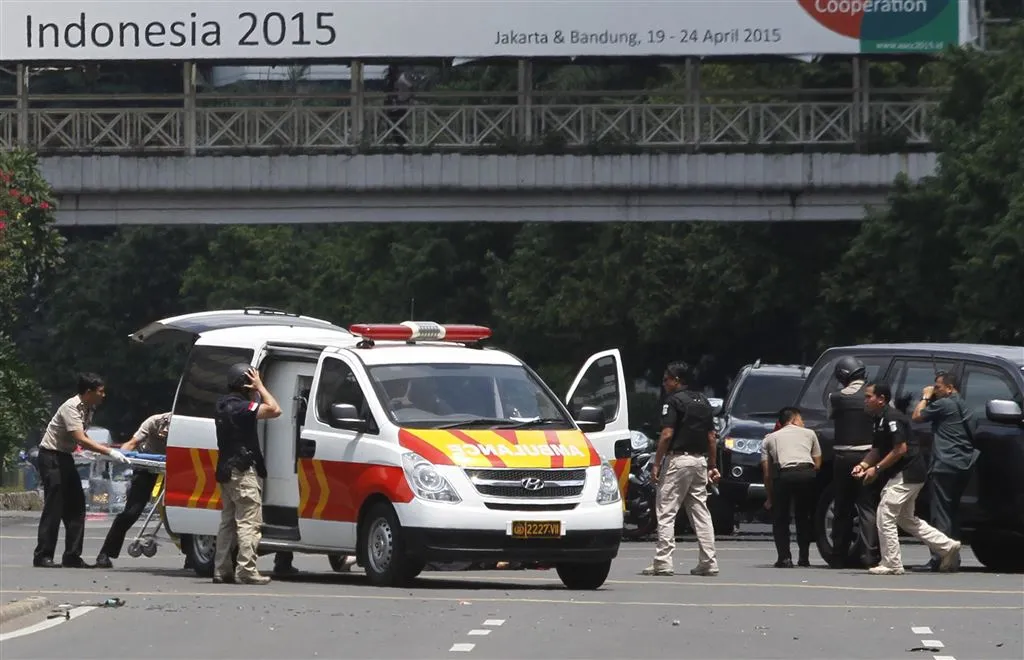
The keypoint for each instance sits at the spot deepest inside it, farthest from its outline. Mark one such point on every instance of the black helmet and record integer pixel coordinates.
(238, 376)
(849, 369)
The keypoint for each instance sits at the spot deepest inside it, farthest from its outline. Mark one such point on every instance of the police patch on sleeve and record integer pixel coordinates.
(893, 426)
(664, 410)
(253, 406)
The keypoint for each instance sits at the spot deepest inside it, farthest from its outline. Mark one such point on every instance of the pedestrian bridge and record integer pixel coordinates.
(187, 190)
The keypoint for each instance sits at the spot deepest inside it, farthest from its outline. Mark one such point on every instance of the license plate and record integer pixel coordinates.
(536, 529)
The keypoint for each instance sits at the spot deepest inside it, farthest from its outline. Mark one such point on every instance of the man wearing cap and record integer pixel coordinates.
(240, 467)
(151, 438)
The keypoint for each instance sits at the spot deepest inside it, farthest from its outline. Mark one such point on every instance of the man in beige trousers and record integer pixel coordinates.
(688, 439)
(240, 467)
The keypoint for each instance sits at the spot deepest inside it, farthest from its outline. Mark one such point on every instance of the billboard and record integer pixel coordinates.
(275, 30)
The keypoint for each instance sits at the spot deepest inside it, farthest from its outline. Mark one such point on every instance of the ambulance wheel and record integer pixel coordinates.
(201, 550)
(584, 576)
(134, 549)
(383, 548)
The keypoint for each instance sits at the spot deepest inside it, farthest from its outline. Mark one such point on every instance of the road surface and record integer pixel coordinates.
(750, 610)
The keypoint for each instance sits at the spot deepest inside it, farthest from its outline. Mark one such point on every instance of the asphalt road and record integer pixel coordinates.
(750, 610)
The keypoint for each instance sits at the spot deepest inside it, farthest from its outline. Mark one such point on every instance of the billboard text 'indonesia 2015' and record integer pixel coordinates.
(64, 30)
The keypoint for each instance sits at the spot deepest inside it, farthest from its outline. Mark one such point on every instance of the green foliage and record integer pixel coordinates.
(30, 250)
(946, 259)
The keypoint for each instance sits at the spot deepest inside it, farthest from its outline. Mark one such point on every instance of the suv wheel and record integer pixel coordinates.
(823, 518)
(999, 551)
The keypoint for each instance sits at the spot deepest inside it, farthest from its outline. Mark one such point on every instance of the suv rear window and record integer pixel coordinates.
(205, 379)
(765, 394)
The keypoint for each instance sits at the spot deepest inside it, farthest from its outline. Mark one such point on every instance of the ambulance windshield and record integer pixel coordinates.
(434, 395)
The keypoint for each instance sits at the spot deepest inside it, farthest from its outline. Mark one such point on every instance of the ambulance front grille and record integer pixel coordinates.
(533, 484)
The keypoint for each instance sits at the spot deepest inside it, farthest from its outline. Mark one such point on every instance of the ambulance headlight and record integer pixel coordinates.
(425, 480)
(608, 492)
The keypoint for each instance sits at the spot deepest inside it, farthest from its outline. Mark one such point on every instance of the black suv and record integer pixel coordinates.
(992, 384)
(749, 414)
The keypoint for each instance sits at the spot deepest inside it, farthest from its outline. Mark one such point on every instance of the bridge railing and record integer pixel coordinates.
(612, 121)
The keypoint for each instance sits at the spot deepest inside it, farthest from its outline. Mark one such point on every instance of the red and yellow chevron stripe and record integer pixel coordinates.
(501, 448)
(192, 478)
(621, 467)
(335, 490)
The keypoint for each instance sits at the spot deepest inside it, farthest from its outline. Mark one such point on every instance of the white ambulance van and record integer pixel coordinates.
(403, 444)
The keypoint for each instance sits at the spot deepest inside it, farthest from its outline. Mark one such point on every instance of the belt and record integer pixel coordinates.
(803, 467)
(848, 448)
(687, 453)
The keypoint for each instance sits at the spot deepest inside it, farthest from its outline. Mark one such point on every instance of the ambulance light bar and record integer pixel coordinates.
(420, 330)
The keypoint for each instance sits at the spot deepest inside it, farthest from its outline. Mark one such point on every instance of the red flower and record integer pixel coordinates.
(44, 206)
(4, 176)
(3, 225)
(15, 193)
(25, 199)
(3, 214)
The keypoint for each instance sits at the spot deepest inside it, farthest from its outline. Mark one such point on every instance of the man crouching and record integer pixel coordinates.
(240, 467)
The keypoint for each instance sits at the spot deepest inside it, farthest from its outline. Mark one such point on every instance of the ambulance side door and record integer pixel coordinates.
(335, 460)
(601, 383)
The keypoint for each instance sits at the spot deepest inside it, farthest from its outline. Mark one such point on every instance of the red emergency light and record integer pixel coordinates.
(420, 331)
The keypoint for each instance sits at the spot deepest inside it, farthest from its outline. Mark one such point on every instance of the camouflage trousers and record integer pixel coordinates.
(240, 523)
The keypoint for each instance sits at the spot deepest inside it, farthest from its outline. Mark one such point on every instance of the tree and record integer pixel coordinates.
(30, 250)
(945, 260)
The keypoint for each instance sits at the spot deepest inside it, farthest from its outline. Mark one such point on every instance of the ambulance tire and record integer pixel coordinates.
(201, 551)
(584, 576)
(383, 548)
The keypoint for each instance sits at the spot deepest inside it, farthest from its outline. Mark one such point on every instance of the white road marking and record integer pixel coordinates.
(921, 630)
(479, 632)
(461, 648)
(494, 622)
(943, 657)
(46, 625)
(932, 643)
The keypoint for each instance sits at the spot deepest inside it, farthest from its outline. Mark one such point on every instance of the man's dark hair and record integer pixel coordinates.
(680, 370)
(88, 382)
(948, 378)
(787, 414)
(882, 389)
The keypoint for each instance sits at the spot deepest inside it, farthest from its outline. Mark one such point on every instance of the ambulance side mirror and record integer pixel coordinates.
(590, 419)
(345, 416)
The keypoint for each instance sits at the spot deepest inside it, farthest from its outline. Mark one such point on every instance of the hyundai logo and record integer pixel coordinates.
(533, 483)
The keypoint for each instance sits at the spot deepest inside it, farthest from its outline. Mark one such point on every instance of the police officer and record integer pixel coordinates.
(63, 498)
(790, 459)
(151, 438)
(852, 441)
(895, 461)
(688, 438)
(240, 467)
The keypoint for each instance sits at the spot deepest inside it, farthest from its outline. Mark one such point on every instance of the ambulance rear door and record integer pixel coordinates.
(601, 383)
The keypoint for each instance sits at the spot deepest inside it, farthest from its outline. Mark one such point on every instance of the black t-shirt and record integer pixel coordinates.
(238, 444)
(893, 428)
(689, 431)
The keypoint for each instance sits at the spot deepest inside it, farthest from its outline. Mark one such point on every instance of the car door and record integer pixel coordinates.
(909, 376)
(339, 468)
(602, 384)
(997, 474)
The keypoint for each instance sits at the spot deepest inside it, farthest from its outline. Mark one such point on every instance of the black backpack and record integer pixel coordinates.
(696, 420)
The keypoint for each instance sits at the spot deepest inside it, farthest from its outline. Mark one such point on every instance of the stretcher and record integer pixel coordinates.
(145, 542)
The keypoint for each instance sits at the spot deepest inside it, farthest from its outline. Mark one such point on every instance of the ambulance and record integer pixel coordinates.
(402, 444)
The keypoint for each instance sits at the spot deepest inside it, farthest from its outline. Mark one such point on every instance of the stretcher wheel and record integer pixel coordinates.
(149, 549)
(134, 549)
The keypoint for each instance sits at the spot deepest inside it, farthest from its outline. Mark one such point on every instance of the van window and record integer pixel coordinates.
(205, 379)
(599, 387)
(338, 384)
(982, 384)
(823, 381)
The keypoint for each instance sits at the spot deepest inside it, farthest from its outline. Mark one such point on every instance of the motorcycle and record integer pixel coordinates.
(640, 517)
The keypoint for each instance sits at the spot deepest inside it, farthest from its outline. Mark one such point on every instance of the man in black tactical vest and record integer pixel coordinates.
(853, 433)
(688, 438)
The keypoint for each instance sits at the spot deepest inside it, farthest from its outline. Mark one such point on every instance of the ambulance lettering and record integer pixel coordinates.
(517, 450)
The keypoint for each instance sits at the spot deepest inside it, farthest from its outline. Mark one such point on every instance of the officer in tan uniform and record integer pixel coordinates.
(63, 498)
(240, 467)
(151, 438)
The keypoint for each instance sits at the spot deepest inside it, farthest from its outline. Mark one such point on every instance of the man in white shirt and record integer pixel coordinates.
(790, 460)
